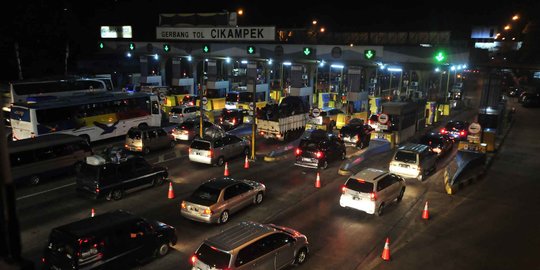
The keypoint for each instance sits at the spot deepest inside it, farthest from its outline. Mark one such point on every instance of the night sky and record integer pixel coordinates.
(41, 28)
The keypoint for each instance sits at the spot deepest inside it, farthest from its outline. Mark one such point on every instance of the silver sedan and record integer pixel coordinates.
(216, 199)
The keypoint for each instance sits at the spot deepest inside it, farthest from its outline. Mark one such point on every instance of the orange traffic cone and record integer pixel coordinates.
(171, 193)
(226, 172)
(246, 163)
(318, 181)
(93, 213)
(386, 251)
(425, 213)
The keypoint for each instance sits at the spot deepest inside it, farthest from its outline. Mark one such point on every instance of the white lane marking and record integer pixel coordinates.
(45, 191)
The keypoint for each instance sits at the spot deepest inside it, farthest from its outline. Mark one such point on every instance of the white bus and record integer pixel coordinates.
(94, 116)
(42, 90)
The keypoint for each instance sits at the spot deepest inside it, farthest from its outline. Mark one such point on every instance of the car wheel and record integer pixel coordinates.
(77, 167)
(116, 194)
(380, 210)
(34, 180)
(220, 162)
(420, 176)
(324, 165)
(146, 150)
(159, 180)
(400, 196)
(259, 198)
(172, 144)
(301, 256)
(224, 217)
(163, 249)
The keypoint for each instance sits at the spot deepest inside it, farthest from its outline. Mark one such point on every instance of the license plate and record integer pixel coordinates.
(404, 165)
(174, 116)
(306, 159)
(356, 198)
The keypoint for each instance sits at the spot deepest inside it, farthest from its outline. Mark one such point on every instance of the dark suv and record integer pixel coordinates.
(356, 133)
(112, 240)
(318, 148)
(232, 118)
(99, 177)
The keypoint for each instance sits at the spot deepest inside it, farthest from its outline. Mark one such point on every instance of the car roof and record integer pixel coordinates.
(370, 174)
(42, 141)
(434, 135)
(96, 224)
(144, 128)
(221, 182)
(238, 235)
(413, 147)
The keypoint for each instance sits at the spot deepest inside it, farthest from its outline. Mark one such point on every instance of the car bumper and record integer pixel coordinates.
(307, 163)
(200, 159)
(86, 192)
(404, 172)
(364, 205)
(181, 137)
(197, 217)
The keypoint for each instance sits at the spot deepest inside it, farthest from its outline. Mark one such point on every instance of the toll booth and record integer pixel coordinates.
(327, 100)
(184, 86)
(375, 105)
(491, 120)
(432, 113)
(357, 102)
(402, 117)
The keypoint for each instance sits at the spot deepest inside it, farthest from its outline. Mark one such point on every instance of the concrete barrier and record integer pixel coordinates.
(376, 146)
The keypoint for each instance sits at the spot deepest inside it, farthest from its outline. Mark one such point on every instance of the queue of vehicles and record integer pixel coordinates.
(369, 191)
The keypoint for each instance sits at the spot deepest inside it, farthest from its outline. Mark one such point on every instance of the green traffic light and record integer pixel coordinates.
(369, 54)
(440, 57)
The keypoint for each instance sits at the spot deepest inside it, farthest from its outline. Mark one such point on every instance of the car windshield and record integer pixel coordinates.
(232, 97)
(200, 145)
(455, 125)
(309, 144)
(407, 157)
(359, 185)
(176, 110)
(227, 114)
(431, 141)
(206, 193)
(134, 134)
(213, 257)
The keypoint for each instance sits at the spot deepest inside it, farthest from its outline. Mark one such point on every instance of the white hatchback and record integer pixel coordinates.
(179, 114)
(371, 190)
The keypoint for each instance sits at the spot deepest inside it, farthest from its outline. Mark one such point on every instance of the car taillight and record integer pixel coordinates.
(211, 153)
(193, 259)
(443, 131)
(174, 130)
(462, 133)
(183, 205)
(298, 151)
(181, 115)
(97, 190)
(234, 121)
(358, 137)
(373, 196)
(43, 260)
(319, 154)
(343, 187)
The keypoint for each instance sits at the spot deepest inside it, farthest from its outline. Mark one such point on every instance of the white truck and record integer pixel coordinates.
(283, 128)
(286, 120)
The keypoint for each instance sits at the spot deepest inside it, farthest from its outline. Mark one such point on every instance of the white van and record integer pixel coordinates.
(413, 161)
